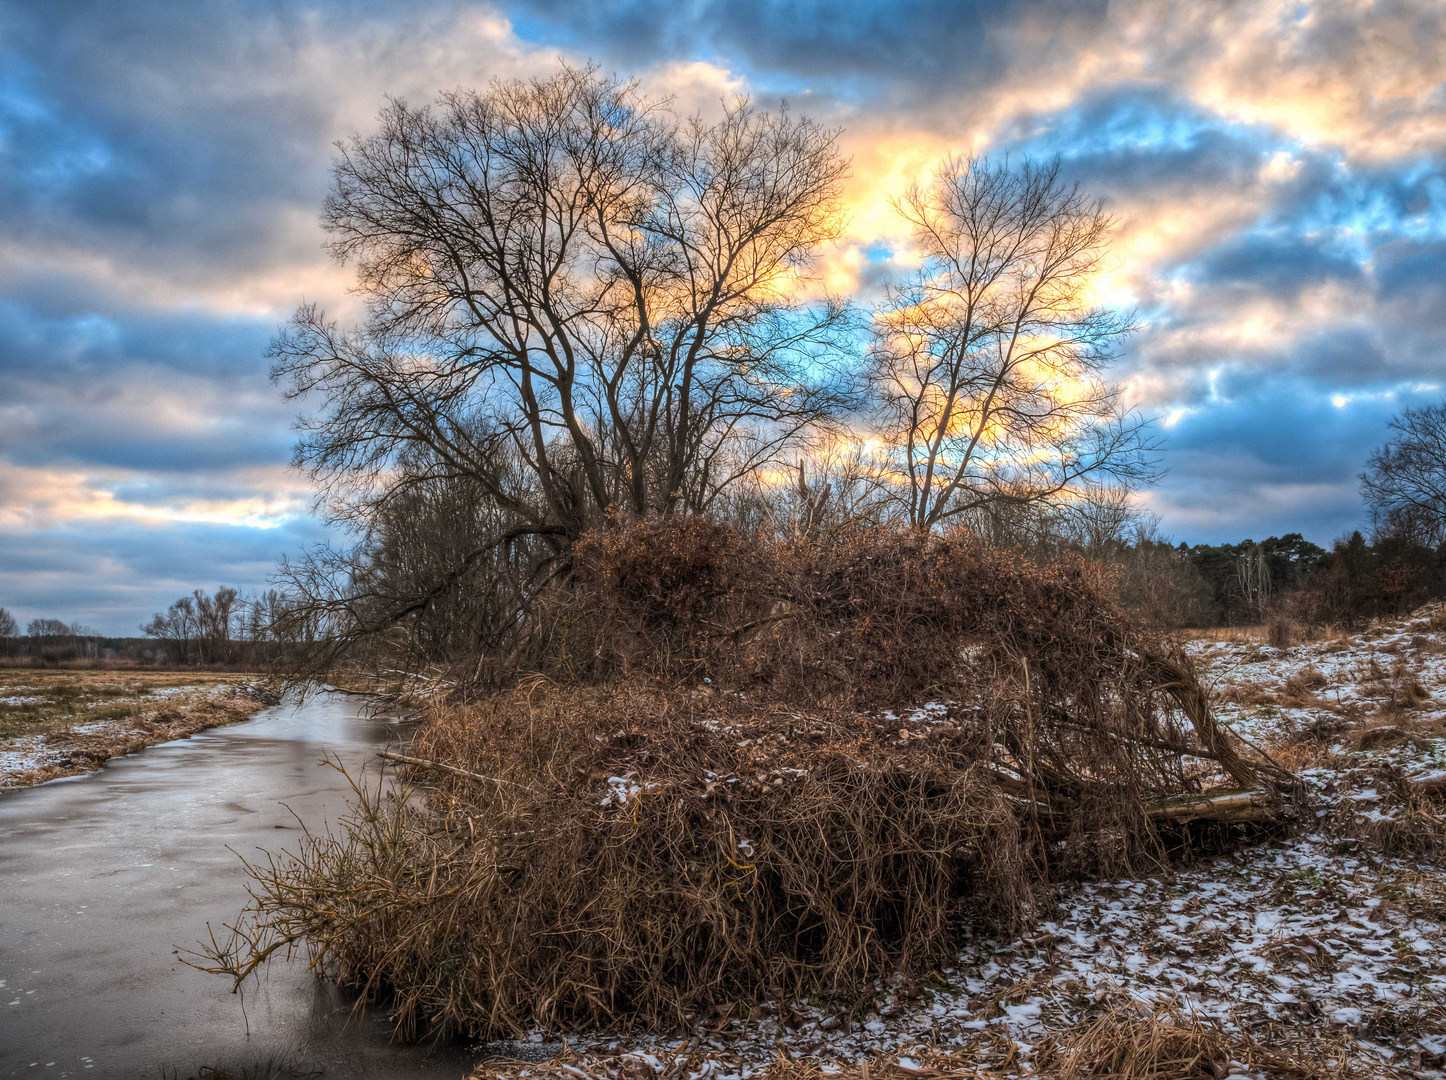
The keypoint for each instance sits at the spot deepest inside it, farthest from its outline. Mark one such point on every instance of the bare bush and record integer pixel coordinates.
(1280, 632)
(751, 769)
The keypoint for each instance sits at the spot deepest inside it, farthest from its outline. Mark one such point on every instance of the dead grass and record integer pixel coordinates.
(1232, 634)
(62, 699)
(979, 1055)
(65, 723)
(1381, 808)
(1249, 694)
(1302, 691)
(1306, 753)
(1285, 631)
(1129, 1040)
(1132, 1041)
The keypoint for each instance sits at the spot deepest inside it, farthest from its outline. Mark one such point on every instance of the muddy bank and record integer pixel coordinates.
(105, 876)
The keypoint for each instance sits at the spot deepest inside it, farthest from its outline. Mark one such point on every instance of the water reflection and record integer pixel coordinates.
(105, 877)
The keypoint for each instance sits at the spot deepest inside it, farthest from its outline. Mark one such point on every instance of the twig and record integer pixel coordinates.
(424, 762)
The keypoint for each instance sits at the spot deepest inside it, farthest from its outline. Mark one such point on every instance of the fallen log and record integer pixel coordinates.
(1432, 785)
(1227, 807)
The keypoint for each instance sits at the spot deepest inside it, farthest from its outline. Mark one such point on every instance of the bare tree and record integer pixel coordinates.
(988, 361)
(1102, 519)
(563, 273)
(1404, 484)
(8, 626)
(48, 628)
(177, 626)
(261, 616)
(1252, 579)
(215, 616)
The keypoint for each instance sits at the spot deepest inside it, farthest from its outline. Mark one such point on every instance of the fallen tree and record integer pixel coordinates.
(746, 770)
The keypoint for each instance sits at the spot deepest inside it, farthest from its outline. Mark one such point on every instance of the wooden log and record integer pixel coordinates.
(1250, 805)
(1432, 786)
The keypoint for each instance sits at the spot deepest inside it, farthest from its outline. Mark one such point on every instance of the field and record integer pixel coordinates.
(1317, 951)
(64, 723)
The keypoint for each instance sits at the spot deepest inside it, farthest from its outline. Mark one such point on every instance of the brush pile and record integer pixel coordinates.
(755, 771)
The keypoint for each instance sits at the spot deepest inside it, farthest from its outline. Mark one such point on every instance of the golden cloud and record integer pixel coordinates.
(258, 498)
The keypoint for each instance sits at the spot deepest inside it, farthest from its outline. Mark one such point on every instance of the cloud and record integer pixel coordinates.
(264, 497)
(1275, 169)
(112, 576)
(1276, 457)
(196, 178)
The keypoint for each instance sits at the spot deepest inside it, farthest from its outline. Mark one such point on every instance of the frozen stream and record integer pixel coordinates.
(103, 877)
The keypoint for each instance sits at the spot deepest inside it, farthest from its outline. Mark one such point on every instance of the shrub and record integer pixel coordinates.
(751, 770)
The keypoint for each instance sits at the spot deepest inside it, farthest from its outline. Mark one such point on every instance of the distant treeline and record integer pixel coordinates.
(1251, 582)
(44, 649)
(1172, 586)
(221, 629)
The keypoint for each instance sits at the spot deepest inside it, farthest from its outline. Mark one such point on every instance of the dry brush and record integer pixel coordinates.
(750, 770)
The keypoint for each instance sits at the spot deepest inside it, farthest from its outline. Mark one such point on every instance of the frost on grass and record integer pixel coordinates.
(1319, 954)
(65, 723)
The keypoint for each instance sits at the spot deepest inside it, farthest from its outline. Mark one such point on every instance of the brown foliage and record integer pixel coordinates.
(881, 616)
(1131, 1041)
(707, 800)
(1280, 632)
(641, 858)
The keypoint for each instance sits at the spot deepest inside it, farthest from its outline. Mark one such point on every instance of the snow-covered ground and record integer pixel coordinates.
(65, 737)
(1325, 947)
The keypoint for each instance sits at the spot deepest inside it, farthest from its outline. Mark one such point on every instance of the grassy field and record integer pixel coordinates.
(62, 723)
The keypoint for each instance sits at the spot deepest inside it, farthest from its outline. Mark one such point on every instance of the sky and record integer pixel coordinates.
(1277, 171)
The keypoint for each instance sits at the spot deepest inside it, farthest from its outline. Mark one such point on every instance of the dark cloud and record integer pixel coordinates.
(1138, 137)
(926, 45)
(113, 577)
(1275, 456)
(1281, 265)
(161, 393)
(162, 167)
(82, 342)
(145, 129)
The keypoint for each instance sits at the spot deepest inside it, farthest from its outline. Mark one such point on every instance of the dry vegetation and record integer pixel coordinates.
(756, 771)
(64, 723)
(751, 816)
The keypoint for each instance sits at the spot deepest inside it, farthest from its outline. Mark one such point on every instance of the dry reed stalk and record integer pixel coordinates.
(1132, 1041)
